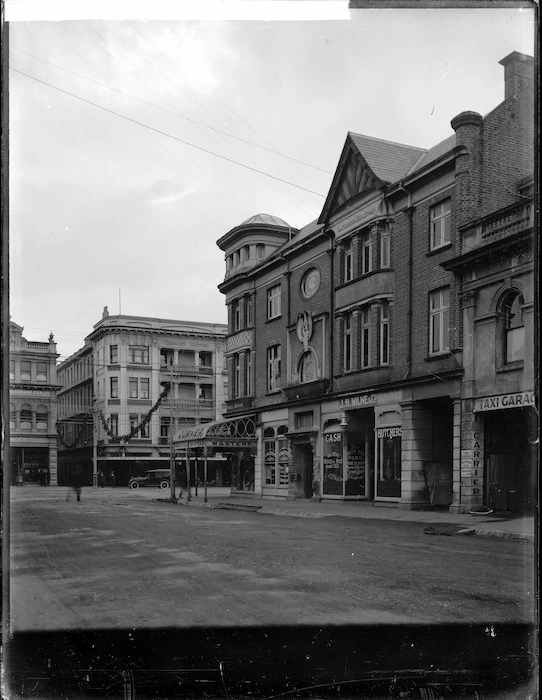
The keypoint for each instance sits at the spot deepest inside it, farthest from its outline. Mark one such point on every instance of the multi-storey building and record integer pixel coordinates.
(32, 411)
(348, 340)
(76, 414)
(150, 376)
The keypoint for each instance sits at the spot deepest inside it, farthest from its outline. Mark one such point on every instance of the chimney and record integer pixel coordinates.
(469, 130)
(518, 73)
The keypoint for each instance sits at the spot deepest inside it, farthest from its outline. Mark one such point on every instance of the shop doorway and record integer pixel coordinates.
(303, 466)
(510, 461)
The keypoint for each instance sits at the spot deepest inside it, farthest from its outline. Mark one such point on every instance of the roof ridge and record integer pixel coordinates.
(394, 143)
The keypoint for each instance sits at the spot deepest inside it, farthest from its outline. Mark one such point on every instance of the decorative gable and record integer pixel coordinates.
(356, 178)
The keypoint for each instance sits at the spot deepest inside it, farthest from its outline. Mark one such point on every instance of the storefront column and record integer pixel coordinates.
(472, 459)
(416, 448)
(259, 476)
(456, 455)
(53, 462)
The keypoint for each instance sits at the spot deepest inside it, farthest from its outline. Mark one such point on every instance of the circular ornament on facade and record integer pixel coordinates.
(310, 282)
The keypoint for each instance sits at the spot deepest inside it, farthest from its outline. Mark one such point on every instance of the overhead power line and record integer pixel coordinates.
(176, 114)
(163, 133)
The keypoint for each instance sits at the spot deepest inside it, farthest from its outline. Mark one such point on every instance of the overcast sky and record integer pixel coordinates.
(99, 202)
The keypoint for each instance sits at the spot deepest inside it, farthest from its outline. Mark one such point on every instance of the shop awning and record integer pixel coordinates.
(226, 433)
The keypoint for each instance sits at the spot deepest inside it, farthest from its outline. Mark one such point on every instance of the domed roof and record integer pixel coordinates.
(265, 219)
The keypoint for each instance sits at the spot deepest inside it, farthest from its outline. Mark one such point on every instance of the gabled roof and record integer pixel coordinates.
(388, 160)
(367, 163)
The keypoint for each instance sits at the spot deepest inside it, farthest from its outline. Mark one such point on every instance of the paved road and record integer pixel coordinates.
(120, 559)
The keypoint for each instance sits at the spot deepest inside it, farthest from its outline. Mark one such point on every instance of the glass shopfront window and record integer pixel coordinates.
(355, 469)
(276, 456)
(332, 484)
(388, 462)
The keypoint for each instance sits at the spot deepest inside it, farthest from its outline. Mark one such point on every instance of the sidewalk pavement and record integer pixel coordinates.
(492, 525)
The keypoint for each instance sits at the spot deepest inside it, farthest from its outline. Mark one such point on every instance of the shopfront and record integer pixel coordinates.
(233, 441)
(509, 451)
(361, 447)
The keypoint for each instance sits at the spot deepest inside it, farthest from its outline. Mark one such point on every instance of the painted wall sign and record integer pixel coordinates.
(361, 400)
(496, 403)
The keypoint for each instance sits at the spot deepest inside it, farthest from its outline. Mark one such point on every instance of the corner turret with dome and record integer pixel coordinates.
(252, 241)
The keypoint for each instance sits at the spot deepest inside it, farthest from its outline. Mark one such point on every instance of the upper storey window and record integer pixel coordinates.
(138, 355)
(273, 302)
(439, 320)
(440, 216)
(348, 262)
(385, 248)
(513, 340)
(366, 253)
(41, 371)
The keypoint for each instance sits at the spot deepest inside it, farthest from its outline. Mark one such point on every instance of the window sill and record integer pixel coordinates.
(440, 249)
(273, 392)
(438, 356)
(510, 367)
(275, 318)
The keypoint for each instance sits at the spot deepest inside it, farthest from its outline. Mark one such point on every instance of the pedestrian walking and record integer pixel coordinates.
(101, 479)
(76, 484)
(113, 479)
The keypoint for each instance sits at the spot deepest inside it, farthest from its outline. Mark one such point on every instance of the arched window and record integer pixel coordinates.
(26, 417)
(307, 367)
(512, 328)
(42, 417)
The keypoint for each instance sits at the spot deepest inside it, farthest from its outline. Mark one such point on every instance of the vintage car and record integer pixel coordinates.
(153, 477)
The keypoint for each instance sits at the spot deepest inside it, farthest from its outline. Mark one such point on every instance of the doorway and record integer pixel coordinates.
(303, 469)
(510, 460)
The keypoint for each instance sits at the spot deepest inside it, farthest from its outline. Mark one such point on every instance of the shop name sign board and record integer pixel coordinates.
(357, 218)
(370, 399)
(496, 403)
(389, 432)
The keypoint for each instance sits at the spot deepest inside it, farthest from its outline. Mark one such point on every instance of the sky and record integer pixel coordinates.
(135, 144)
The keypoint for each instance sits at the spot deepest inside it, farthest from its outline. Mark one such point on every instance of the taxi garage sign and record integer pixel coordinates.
(496, 403)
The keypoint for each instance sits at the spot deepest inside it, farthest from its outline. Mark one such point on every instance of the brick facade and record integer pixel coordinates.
(399, 422)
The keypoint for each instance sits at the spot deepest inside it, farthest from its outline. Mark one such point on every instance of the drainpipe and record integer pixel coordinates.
(331, 307)
(410, 211)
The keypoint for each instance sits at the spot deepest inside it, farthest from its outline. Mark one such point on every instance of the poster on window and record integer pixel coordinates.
(333, 465)
(355, 470)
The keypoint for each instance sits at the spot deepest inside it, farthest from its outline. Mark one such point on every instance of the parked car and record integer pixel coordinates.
(153, 477)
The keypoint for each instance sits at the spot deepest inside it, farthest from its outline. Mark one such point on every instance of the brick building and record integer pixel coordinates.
(348, 340)
(33, 407)
(136, 381)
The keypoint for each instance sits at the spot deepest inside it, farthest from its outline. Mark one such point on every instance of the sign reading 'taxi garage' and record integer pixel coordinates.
(496, 403)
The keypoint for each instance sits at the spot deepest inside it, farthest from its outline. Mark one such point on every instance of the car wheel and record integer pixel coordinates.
(164, 484)
(134, 485)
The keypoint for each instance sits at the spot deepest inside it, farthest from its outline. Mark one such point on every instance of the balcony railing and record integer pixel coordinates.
(506, 223)
(186, 370)
(191, 404)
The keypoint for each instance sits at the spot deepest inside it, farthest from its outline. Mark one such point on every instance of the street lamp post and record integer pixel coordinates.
(95, 445)
(171, 430)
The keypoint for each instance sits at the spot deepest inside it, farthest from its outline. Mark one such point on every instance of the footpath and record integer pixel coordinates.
(439, 522)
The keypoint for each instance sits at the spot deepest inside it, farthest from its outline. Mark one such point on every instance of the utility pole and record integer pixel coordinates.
(171, 426)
